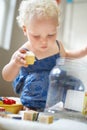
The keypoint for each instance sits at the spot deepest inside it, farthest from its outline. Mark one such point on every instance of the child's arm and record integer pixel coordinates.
(11, 70)
(72, 54)
(77, 54)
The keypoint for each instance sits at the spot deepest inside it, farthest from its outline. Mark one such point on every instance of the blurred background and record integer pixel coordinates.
(72, 32)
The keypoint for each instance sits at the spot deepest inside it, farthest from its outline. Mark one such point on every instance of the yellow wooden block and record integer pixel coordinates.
(45, 119)
(30, 58)
(84, 111)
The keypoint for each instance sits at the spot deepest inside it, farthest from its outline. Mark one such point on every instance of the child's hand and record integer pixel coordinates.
(85, 51)
(19, 58)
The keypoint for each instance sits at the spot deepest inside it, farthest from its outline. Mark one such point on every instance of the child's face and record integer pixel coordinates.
(41, 33)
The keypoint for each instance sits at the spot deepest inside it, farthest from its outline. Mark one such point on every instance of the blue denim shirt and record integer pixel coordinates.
(32, 82)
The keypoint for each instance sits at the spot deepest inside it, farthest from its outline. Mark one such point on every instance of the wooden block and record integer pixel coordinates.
(29, 115)
(84, 111)
(30, 57)
(45, 119)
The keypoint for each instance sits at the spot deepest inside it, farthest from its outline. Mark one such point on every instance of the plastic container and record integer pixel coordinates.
(67, 86)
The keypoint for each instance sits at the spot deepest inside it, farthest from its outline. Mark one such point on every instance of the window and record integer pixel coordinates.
(7, 9)
(75, 29)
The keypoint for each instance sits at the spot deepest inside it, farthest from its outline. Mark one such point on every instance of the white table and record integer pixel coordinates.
(61, 124)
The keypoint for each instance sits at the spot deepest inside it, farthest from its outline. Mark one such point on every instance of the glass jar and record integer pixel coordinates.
(67, 86)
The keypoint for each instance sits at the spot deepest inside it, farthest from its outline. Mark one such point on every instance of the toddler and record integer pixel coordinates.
(39, 20)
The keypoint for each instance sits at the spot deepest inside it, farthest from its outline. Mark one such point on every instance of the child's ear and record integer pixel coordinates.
(24, 30)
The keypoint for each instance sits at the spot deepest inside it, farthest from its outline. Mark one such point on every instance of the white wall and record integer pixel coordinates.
(75, 29)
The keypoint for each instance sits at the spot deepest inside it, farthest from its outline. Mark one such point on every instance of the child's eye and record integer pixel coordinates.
(51, 35)
(37, 37)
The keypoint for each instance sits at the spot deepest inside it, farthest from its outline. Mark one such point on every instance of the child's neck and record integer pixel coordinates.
(45, 54)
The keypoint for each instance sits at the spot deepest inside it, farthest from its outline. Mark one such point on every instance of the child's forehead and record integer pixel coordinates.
(41, 22)
(41, 27)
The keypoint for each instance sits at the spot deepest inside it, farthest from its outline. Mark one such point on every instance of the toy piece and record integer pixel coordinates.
(14, 116)
(7, 101)
(29, 115)
(84, 111)
(48, 119)
(30, 57)
(2, 111)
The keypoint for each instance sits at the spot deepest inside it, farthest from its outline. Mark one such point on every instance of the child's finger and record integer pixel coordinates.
(22, 50)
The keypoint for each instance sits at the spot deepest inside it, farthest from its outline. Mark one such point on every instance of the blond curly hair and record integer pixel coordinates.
(37, 8)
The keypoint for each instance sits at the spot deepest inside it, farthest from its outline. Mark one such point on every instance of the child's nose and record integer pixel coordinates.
(44, 40)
